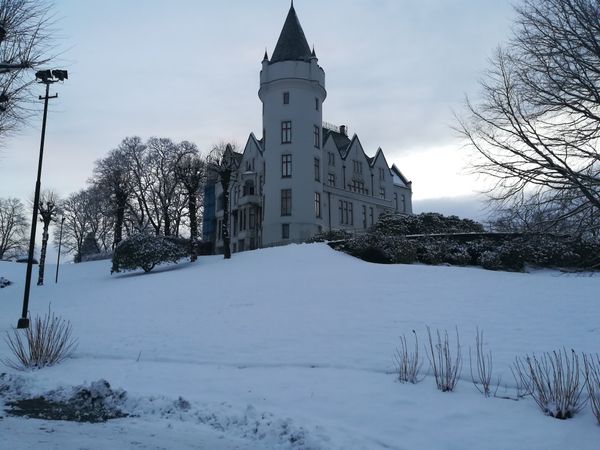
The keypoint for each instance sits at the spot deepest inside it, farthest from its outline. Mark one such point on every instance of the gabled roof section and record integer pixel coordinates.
(378, 154)
(256, 142)
(340, 140)
(401, 177)
(292, 44)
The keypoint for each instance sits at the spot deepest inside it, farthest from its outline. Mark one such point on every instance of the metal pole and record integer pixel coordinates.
(62, 222)
(24, 320)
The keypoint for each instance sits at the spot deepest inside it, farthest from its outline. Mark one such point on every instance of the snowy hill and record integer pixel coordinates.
(292, 348)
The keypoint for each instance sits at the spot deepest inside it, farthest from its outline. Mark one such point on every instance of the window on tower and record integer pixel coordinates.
(317, 169)
(286, 98)
(286, 132)
(317, 104)
(317, 134)
(286, 166)
(286, 202)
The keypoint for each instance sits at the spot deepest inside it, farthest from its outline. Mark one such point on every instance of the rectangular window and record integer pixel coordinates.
(317, 104)
(331, 159)
(252, 219)
(382, 192)
(396, 200)
(286, 98)
(364, 216)
(286, 202)
(285, 231)
(346, 213)
(403, 203)
(332, 179)
(317, 133)
(286, 132)
(372, 216)
(357, 167)
(286, 166)
(317, 169)
(318, 205)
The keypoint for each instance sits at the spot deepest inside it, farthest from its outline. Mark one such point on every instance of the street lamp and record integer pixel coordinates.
(46, 77)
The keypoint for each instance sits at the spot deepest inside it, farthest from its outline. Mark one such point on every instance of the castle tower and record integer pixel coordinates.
(292, 91)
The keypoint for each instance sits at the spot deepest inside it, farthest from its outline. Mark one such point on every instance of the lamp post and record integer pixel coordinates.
(46, 77)
(62, 222)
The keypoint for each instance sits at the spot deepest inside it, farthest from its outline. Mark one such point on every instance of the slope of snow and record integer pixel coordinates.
(297, 342)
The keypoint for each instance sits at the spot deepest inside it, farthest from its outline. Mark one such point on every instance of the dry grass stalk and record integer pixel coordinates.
(592, 378)
(553, 380)
(482, 376)
(408, 364)
(46, 342)
(445, 367)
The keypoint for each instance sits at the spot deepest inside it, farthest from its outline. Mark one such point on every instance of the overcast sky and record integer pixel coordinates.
(189, 69)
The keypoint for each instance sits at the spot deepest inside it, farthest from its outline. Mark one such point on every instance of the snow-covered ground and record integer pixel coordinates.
(292, 348)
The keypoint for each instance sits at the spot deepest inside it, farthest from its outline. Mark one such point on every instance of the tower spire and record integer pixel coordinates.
(292, 44)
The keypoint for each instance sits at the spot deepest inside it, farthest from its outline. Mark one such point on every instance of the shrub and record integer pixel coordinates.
(382, 249)
(427, 223)
(47, 341)
(592, 379)
(143, 251)
(482, 376)
(408, 364)
(333, 235)
(446, 368)
(553, 382)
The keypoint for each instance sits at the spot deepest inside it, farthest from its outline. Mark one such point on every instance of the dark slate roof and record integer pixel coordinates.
(292, 44)
(340, 140)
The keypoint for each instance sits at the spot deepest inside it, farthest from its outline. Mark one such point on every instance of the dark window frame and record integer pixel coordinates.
(286, 202)
(286, 131)
(286, 166)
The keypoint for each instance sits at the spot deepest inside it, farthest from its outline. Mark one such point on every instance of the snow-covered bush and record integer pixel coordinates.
(426, 223)
(97, 257)
(553, 381)
(382, 249)
(47, 341)
(446, 363)
(144, 251)
(4, 282)
(333, 235)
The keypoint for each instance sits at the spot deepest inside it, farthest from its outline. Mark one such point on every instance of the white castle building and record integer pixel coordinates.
(304, 176)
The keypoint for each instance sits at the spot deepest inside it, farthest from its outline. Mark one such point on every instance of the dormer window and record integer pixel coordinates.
(286, 98)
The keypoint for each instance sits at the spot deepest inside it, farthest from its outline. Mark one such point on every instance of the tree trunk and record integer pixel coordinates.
(225, 178)
(167, 223)
(43, 254)
(193, 227)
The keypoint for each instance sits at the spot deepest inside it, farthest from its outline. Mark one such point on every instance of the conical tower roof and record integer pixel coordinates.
(292, 44)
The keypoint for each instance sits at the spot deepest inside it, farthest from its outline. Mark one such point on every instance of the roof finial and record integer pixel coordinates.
(266, 57)
(313, 54)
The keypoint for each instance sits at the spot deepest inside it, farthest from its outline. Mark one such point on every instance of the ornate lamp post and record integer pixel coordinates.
(46, 77)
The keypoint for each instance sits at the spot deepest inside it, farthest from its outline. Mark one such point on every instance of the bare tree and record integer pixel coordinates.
(26, 28)
(48, 209)
(13, 227)
(537, 126)
(223, 163)
(191, 173)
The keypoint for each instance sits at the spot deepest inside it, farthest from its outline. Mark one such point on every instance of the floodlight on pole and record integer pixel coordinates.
(46, 77)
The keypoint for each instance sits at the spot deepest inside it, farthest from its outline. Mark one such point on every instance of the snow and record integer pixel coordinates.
(293, 348)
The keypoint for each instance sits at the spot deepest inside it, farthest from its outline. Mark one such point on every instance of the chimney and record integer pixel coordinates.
(343, 130)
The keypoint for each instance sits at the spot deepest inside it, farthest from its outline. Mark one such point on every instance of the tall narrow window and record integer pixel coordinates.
(396, 200)
(381, 174)
(286, 132)
(286, 98)
(285, 231)
(317, 169)
(317, 134)
(382, 192)
(372, 215)
(317, 205)
(286, 166)
(286, 202)
(403, 203)
(317, 103)
(331, 159)
(364, 216)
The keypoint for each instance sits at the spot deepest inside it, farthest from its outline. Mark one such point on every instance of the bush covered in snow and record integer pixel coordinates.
(384, 243)
(426, 223)
(4, 282)
(144, 251)
(329, 236)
